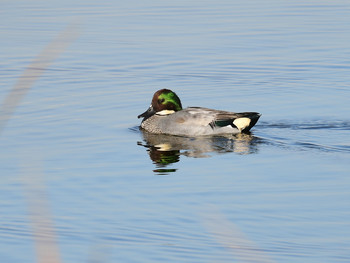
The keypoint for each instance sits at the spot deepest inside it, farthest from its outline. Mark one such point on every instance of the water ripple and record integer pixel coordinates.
(313, 125)
(320, 135)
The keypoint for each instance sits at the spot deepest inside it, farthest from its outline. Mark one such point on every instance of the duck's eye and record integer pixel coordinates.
(161, 100)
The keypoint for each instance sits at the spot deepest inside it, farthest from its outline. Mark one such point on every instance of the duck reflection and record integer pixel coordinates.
(167, 149)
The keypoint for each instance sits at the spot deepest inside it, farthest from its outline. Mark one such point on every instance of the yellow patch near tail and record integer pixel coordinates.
(242, 123)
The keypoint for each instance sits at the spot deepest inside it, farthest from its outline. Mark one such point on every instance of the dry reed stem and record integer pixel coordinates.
(232, 238)
(34, 71)
(38, 203)
(43, 229)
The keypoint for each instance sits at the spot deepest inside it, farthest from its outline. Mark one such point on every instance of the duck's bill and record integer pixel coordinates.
(148, 113)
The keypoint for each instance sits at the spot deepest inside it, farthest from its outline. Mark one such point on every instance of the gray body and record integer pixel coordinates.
(195, 121)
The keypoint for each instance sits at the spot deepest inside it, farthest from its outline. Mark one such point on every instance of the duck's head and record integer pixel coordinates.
(164, 102)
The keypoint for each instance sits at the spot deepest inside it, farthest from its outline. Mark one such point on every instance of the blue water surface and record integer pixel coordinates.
(81, 182)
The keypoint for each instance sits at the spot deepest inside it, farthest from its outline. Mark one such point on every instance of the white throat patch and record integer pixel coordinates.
(165, 112)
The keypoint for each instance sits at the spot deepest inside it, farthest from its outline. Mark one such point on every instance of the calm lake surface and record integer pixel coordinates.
(81, 182)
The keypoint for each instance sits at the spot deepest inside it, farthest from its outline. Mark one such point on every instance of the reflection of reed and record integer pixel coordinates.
(42, 225)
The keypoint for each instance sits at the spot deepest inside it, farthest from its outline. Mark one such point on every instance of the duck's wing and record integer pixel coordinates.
(217, 119)
(194, 116)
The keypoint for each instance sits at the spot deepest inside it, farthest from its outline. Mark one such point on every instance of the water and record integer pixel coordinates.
(75, 168)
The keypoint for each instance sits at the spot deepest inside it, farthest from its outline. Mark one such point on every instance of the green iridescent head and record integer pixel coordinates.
(163, 100)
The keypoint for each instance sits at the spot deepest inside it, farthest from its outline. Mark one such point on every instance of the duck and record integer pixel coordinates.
(165, 115)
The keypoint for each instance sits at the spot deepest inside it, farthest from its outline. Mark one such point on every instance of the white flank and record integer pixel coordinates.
(241, 123)
(165, 112)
